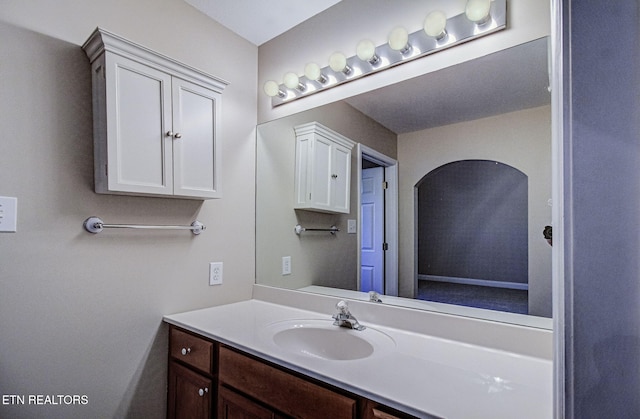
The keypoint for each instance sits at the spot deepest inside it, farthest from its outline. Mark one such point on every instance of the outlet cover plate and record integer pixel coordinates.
(215, 273)
(352, 227)
(8, 214)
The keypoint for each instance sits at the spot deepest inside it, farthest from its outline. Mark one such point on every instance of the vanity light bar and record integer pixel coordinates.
(458, 29)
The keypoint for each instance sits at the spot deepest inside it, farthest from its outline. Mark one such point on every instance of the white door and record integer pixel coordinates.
(372, 230)
(195, 146)
(138, 116)
(321, 172)
(341, 179)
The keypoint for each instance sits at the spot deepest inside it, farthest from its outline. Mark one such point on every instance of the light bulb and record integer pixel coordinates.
(292, 81)
(272, 89)
(366, 51)
(435, 23)
(478, 11)
(338, 63)
(313, 72)
(399, 40)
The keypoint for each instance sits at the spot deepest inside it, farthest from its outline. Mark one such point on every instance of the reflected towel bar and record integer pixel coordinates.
(299, 229)
(96, 225)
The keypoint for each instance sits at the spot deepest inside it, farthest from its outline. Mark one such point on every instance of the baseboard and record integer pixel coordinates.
(472, 281)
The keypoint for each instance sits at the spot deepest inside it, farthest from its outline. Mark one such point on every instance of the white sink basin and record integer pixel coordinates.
(321, 339)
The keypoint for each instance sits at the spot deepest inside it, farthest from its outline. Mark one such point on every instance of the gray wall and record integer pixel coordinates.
(472, 222)
(601, 317)
(82, 314)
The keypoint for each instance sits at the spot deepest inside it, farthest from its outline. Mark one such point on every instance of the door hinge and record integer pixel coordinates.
(385, 246)
(385, 185)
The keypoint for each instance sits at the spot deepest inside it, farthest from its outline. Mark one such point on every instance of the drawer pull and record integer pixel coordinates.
(203, 391)
(185, 351)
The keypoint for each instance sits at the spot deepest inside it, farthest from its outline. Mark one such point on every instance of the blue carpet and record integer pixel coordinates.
(491, 298)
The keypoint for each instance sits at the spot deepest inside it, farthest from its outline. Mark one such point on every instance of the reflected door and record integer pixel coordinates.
(372, 230)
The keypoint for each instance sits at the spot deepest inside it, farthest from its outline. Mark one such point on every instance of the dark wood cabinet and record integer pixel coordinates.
(208, 379)
(232, 405)
(189, 397)
(281, 390)
(192, 380)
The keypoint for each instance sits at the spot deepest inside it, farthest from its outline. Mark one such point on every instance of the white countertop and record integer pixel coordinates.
(423, 375)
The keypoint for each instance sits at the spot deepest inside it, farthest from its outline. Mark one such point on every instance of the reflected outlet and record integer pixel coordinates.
(8, 214)
(215, 273)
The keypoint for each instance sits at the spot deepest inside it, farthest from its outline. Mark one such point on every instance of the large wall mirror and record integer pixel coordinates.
(486, 125)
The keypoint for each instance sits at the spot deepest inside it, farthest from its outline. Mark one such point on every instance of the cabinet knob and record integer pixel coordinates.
(203, 391)
(185, 351)
(177, 135)
(169, 134)
(334, 176)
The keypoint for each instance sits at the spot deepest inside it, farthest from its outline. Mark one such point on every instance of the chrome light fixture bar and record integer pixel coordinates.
(473, 23)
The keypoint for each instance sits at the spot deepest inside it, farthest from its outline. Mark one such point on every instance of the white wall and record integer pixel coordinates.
(82, 314)
(316, 258)
(520, 139)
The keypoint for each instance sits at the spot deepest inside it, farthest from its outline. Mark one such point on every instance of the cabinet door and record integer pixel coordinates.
(321, 173)
(139, 156)
(196, 146)
(340, 179)
(189, 394)
(231, 405)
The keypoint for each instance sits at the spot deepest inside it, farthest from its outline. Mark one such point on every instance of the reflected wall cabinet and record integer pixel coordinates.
(322, 169)
(156, 122)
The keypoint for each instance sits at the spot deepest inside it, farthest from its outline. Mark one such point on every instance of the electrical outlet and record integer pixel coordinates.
(352, 227)
(286, 265)
(215, 273)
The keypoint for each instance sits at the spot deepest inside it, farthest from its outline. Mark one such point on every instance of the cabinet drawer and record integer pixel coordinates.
(232, 405)
(191, 350)
(285, 392)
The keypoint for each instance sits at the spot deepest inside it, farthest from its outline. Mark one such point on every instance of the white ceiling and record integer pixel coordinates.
(259, 21)
(513, 79)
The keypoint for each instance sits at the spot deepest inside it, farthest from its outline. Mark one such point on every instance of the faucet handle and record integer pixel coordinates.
(342, 307)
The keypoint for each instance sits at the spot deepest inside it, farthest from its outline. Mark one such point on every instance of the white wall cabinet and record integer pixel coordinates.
(156, 122)
(323, 169)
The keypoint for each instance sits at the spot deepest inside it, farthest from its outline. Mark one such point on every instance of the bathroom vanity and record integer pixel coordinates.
(266, 359)
(206, 376)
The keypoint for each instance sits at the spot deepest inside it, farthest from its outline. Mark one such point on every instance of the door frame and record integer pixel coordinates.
(391, 214)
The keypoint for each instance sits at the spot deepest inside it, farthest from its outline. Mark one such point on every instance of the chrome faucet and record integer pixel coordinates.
(374, 297)
(344, 318)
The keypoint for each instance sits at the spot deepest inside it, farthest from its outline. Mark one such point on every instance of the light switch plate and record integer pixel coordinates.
(8, 214)
(286, 265)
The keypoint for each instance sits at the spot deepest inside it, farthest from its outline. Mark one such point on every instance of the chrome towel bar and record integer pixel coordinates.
(96, 225)
(299, 229)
